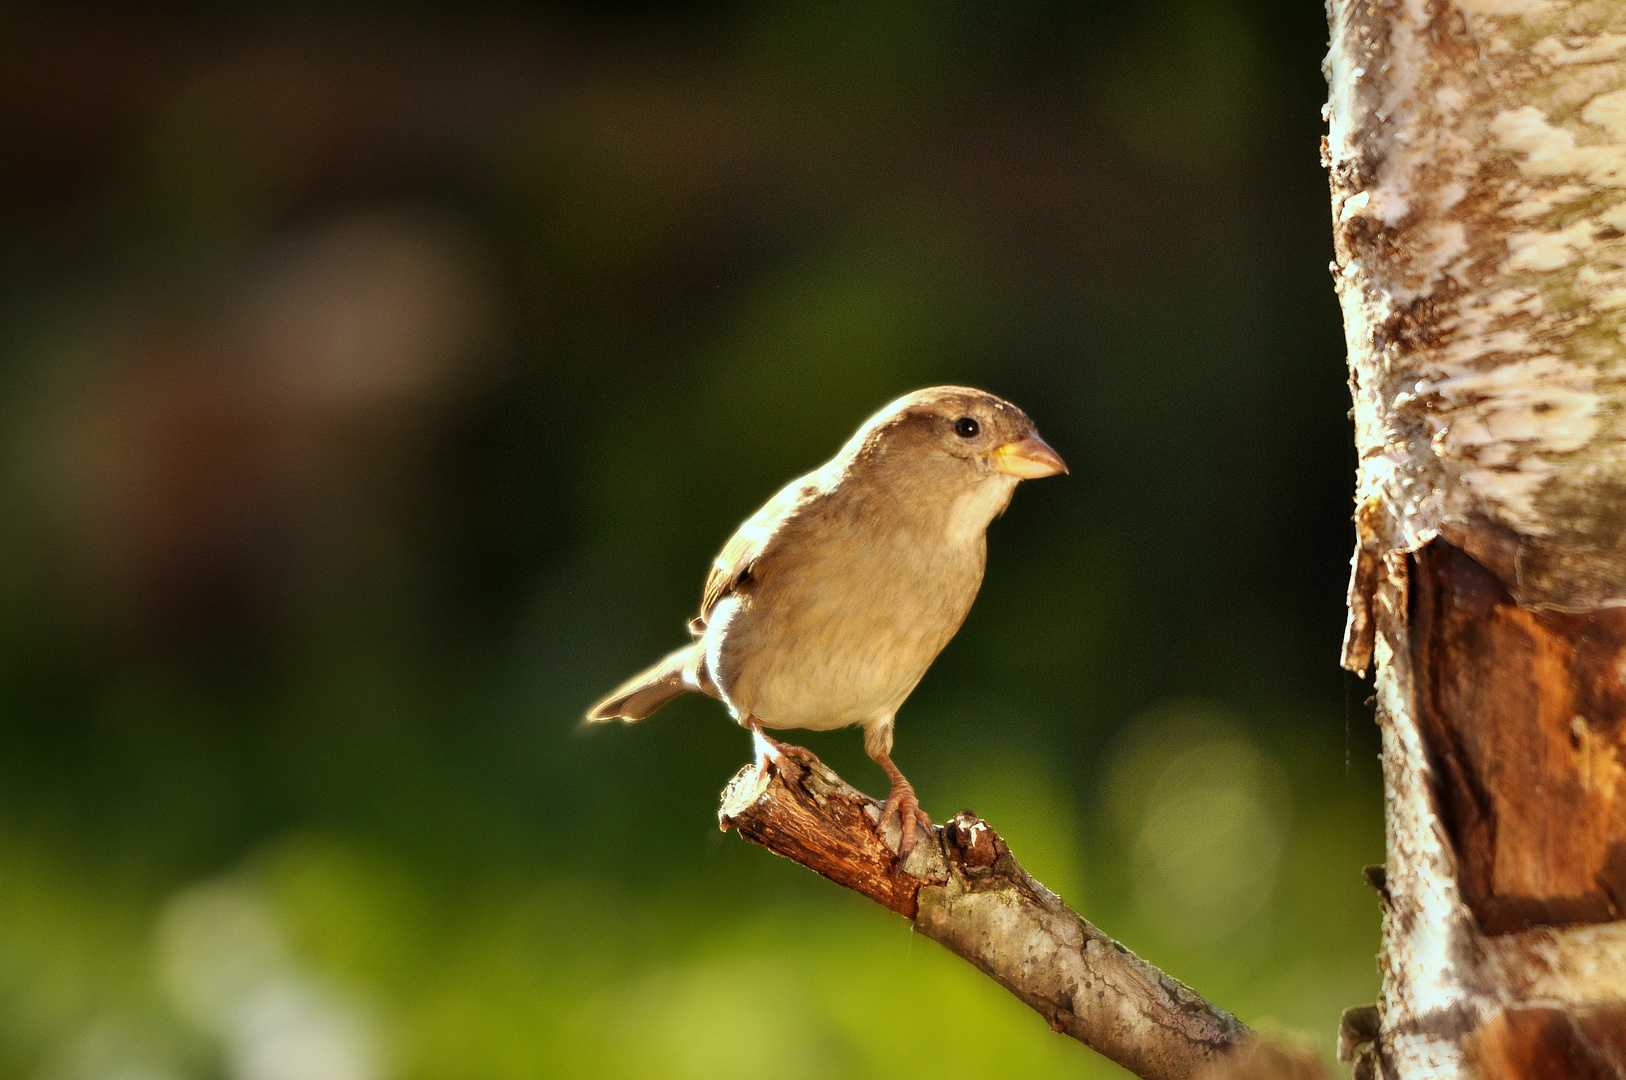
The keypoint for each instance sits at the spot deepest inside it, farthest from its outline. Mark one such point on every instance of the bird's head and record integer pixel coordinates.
(960, 435)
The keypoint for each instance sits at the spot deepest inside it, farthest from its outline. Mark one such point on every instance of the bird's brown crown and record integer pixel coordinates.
(961, 421)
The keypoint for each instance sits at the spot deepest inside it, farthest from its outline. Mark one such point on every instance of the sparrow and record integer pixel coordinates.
(828, 605)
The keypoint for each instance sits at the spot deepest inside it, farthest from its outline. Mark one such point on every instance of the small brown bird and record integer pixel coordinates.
(830, 602)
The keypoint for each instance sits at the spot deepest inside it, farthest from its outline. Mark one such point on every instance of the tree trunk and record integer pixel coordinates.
(1477, 151)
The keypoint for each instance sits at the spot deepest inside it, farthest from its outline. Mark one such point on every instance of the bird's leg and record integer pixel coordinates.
(901, 799)
(770, 749)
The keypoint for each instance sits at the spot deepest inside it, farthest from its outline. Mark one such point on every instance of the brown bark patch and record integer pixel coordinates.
(1522, 713)
(1544, 1042)
(820, 825)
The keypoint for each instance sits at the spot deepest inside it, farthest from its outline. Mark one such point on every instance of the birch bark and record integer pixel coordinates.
(1477, 151)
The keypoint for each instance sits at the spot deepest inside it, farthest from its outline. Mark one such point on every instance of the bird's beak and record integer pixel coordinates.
(1029, 457)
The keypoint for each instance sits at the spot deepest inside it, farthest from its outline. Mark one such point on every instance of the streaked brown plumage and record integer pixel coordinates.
(828, 605)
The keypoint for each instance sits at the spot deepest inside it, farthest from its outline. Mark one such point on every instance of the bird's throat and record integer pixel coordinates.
(970, 512)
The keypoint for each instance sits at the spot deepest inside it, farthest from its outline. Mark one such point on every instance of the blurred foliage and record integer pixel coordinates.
(379, 380)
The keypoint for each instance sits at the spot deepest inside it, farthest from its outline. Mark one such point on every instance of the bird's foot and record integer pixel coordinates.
(770, 749)
(902, 802)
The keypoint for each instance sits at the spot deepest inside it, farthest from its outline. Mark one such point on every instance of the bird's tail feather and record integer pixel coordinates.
(642, 694)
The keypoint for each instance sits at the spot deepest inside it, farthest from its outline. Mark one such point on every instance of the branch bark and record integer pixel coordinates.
(966, 890)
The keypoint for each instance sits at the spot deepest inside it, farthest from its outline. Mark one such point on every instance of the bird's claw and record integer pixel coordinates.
(771, 749)
(800, 753)
(902, 802)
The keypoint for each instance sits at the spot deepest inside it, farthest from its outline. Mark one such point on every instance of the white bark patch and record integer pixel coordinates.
(1507, 422)
(1582, 965)
(1547, 151)
(1425, 923)
(1599, 49)
(1608, 111)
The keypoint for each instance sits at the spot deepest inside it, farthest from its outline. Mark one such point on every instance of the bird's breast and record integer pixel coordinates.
(843, 632)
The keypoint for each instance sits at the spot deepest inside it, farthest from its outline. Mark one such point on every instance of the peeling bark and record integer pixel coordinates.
(1523, 711)
(1477, 153)
(1553, 1043)
(966, 890)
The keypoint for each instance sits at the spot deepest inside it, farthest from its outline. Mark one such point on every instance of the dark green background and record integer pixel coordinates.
(378, 382)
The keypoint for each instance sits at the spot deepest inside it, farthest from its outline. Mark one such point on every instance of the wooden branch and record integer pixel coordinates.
(965, 890)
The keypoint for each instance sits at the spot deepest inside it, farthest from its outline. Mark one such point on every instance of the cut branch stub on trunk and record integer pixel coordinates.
(965, 889)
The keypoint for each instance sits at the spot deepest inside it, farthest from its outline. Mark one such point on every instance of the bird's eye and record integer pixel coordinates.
(966, 428)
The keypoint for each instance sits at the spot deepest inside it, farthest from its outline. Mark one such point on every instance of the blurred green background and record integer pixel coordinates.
(378, 381)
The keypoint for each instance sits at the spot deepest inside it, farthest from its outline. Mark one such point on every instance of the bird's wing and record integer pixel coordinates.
(749, 553)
